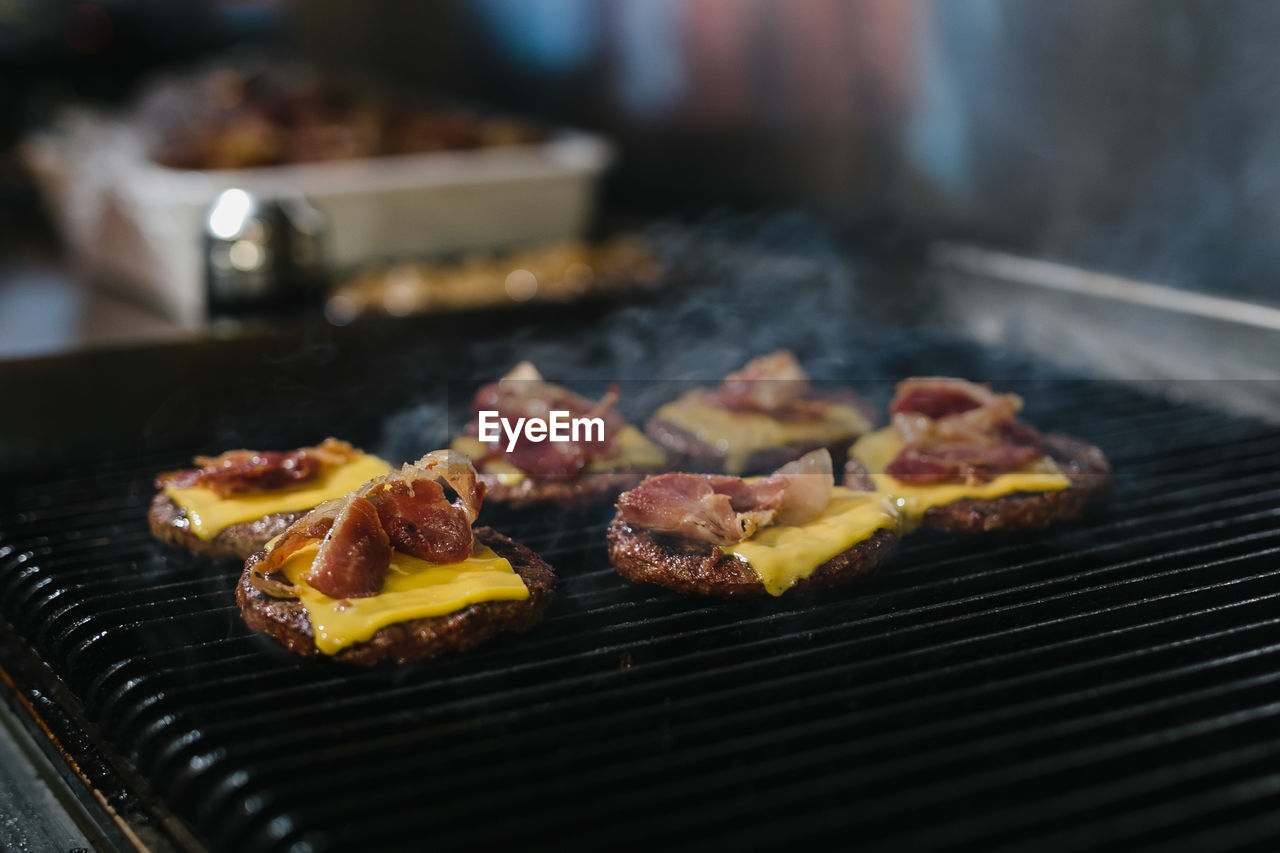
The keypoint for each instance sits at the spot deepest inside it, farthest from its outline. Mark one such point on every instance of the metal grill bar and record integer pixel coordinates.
(218, 685)
(638, 767)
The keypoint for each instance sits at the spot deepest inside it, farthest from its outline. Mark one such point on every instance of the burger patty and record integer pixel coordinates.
(285, 620)
(169, 524)
(1082, 463)
(699, 568)
(591, 489)
(686, 452)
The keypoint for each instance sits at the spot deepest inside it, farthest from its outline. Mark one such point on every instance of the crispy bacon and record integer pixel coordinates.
(723, 510)
(688, 506)
(523, 393)
(769, 383)
(958, 431)
(406, 510)
(453, 469)
(354, 556)
(421, 522)
(418, 517)
(244, 472)
(774, 384)
(267, 574)
(940, 396)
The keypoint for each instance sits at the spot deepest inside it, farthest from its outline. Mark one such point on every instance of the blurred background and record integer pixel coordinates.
(410, 157)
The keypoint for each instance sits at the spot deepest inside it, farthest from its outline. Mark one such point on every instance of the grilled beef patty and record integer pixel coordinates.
(700, 568)
(170, 525)
(285, 619)
(1082, 463)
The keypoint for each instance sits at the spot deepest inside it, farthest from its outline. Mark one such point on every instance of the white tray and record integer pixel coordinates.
(137, 225)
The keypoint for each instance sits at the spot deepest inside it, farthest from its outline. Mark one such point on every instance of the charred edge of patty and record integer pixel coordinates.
(169, 524)
(286, 621)
(698, 568)
(1082, 463)
(590, 490)
(686, 452)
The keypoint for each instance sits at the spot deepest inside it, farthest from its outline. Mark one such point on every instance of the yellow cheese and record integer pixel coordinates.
(209, 514)
(414, 589)
(738, 435)
(781, 555)
(876, 450)
(634, 451)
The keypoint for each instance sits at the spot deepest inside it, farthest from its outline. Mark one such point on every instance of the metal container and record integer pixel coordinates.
(263, 256)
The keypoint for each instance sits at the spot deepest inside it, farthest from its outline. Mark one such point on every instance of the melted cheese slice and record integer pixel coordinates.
(209, 514)
(781, 554)
(876, 450)
(414, 589)
(738, 435)
(634, 451)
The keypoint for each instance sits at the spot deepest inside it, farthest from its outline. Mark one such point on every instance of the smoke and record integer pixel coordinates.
(738, 287)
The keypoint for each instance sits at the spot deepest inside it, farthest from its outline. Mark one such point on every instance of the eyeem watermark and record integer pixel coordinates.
(557, 426)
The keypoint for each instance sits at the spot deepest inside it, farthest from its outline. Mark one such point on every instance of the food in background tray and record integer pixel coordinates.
(723, 536)
(393, 570)
(230, 505)
(235, 118)
(759, 417)
(559, 272)
(595, 463)
(957, 458)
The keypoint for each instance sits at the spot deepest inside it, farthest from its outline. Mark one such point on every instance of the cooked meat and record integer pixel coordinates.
(722, 510)
(241, 473)
(571, 475)
(285, 619)
(406, 510)
(251, 472)
(524, 394)
(170, 525)
(773, 390)
(354, 556)
(958, 431)
(773, 383)
(1082, 463)
(700, 568)
(421, 522)
(713, 508)
(439, 466)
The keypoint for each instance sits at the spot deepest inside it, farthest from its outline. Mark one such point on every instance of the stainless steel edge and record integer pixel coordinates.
(1190, 345)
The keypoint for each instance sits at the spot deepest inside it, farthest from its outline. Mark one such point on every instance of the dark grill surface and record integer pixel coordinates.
(1114, 682)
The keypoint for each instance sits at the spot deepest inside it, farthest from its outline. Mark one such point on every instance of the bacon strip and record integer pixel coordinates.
(523, 393)
(958, 431)
(267, 574)
(767, 383)
(406, 510)
(420, 521)
(246, 472)
(723, 510)
(774, 384)
(354, 557)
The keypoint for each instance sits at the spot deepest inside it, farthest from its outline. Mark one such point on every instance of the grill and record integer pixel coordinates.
(1111, 682)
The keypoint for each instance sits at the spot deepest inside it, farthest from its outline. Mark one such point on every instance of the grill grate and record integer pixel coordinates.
(1112, 682)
